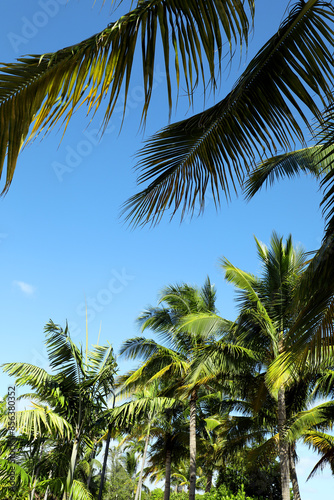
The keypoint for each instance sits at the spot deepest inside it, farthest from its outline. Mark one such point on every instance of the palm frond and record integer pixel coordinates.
(79, 491)
(42, 89)
(6, 470)
(323, 444)
(27, 374)
(138, 410)
(39, 420)
(139, 347)
(314, 160)
(213, 149)
(205, 325)
(64, 355)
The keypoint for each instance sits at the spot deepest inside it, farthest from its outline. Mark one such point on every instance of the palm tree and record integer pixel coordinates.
(266, 324)
(175, 360)
(76, 394)
(171, 445)
(266, 316)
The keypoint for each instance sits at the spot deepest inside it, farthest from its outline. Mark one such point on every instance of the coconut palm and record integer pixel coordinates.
(268, 315)
(76, 394)
(173, 362)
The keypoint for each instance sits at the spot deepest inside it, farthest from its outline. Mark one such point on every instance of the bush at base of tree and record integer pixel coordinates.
(221, 493)
(262, 483)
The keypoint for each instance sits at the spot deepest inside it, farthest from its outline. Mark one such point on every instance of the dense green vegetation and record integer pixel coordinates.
(202, 412)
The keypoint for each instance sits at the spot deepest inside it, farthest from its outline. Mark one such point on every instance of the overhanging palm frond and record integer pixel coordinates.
(314, 160)
(213, 149)
(42, 89)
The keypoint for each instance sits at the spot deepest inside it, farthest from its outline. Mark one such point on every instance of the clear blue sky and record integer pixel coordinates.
(61, 239)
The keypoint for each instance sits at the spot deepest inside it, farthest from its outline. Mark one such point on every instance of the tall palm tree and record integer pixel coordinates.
(76, 394)
(266, 315)
(173, 361)
(266, 324)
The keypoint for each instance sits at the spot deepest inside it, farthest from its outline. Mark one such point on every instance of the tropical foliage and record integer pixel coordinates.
(212, 397)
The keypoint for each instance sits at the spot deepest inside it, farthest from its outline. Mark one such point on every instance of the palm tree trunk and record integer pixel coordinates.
(283, 446)
(209, 482)
(103, 473)
(70, 475)
(92, 456)
(140, 480)
(48, 487)
(192, 444)
(294, 479)
(168, 472)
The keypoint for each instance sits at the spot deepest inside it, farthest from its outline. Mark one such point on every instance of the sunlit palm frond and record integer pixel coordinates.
(310, 420)
(27, 374)
(42, 89)
(205, 325)
(219, 360)
(324, 445)
(80, 492)
(7, 469)
(213, 149)
(40, 420)
(64, 355)
(314, 160)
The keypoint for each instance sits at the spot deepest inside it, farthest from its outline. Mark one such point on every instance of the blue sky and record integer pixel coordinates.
(61, 239)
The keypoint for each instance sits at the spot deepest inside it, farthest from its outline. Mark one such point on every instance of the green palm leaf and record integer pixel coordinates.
(40, 420)
(323, 444)
(213, 149)
(26, 373)
(314, 160)
(42, 89)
